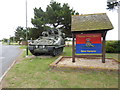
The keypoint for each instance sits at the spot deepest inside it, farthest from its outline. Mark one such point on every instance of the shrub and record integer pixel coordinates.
(113, 46)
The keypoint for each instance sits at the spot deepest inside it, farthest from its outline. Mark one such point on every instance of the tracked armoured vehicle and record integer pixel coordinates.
(51, 43)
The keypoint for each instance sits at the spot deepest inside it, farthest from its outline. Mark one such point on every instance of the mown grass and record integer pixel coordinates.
(35, 73)
(114, 56)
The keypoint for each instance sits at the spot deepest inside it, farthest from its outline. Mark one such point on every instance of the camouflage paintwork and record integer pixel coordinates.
(51, 42)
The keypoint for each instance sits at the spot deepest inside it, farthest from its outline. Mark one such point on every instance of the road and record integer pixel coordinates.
(8, 54)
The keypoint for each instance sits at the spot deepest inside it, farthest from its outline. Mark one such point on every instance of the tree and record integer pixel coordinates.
(20, 34)
(66, 22)
(56, 16)
(5, 40)
(12, 39)
(39, 17)
(34, 33)
(113, 4)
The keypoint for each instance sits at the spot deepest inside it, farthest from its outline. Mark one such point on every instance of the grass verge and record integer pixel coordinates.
(35, 73)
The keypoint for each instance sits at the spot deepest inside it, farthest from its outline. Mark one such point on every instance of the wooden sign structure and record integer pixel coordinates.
(89, 31)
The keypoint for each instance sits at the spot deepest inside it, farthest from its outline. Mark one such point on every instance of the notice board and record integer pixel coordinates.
(88, 43)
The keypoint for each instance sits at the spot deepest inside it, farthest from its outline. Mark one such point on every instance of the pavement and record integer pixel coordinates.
(8, 55)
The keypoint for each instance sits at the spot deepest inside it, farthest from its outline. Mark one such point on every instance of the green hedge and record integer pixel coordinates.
(113, 46)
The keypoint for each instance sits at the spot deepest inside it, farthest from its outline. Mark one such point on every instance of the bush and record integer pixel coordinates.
(113, 46)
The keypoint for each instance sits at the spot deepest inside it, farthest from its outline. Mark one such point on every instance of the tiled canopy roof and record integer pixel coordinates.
(89, 22)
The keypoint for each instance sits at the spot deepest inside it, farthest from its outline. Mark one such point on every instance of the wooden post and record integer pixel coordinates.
(103, 47)
(73, 48)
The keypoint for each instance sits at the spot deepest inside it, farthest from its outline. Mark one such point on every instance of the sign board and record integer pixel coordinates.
(88, 43)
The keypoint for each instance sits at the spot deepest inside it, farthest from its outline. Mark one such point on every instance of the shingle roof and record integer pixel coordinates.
(90, 22)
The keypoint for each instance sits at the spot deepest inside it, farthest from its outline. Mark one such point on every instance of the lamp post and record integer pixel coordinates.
(26, 32)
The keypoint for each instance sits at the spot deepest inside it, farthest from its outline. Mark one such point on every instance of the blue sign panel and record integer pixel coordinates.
(82, 48)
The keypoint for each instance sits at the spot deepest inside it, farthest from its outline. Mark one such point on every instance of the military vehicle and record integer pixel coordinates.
(51, 42)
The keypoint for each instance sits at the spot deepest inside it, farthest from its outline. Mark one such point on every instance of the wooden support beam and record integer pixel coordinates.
(103, 46)
(73, 48)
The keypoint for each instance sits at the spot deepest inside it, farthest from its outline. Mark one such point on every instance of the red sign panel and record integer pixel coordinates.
(94, 38)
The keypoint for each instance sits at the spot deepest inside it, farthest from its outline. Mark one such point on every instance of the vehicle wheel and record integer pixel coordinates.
(61, 50)
(36, 54)
(32, 52)
(54, 53)
(57, 51)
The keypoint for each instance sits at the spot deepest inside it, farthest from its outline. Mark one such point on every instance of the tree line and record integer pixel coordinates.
(55, 16)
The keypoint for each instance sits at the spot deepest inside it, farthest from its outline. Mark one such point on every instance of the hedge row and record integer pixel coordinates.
(113, 46)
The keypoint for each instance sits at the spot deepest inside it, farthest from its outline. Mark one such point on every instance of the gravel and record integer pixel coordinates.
(93, 63)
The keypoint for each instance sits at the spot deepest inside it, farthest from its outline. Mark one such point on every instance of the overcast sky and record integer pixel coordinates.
(13, 13)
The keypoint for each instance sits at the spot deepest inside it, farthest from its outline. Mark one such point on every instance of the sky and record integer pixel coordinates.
(13, 13)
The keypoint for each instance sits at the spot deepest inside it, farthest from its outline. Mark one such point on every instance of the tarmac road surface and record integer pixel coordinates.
(8, 54)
